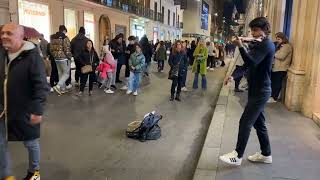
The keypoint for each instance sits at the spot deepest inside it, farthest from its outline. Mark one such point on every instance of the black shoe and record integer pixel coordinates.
(118, 81)
(113, 87)
(146, 74)
(178, 97)
(172, 98)
(238, 90)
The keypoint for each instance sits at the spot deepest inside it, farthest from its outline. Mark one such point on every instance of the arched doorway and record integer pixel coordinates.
(104, 29)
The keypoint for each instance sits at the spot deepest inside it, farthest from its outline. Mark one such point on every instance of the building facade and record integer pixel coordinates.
(102, 19)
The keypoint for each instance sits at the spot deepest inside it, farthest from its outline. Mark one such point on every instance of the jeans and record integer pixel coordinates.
(253, 115)
(160, 65)
(107, 81)
(63, 67)
(203, 81)
(147, 67)
(184, 79)
(113, 82)
(176, 83)
(33, 147)
(84, 79)
(276, 83)
(134, 81)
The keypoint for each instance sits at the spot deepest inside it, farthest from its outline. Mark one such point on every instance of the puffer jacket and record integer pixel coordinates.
(282, 58)
(78, 45)
(137, 60)
(161, 53)
(60, 47)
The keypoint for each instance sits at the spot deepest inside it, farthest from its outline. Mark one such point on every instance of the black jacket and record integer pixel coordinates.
(78, 45)
(181, 59)
(259, 60)
(86, 57)
(27, 90)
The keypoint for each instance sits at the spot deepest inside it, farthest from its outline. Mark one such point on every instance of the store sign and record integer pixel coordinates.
(35, 15)
(70, 21)
(89, 25)
(204, 16)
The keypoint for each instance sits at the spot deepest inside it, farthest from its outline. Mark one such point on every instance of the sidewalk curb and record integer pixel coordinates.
(209, 158)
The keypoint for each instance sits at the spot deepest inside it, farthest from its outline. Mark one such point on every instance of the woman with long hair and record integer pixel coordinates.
(282, 61)
(178, 62)
(200, 64)
(88, 58)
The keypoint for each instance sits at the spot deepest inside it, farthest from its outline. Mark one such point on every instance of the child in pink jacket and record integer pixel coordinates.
(107, 69)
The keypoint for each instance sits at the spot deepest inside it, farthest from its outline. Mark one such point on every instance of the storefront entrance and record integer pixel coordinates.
(104, 30)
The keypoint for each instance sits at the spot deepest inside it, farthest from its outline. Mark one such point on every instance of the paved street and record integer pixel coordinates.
(84, 138)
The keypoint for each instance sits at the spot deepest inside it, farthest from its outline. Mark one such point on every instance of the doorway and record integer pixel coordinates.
(104, 30)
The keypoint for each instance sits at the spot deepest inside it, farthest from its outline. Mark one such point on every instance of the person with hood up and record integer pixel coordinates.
(78, 44)
(147, 52)
(161, 55)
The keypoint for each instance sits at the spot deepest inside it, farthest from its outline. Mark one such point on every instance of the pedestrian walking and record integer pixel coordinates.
(161, 56)
(200, 65)
(211, 54)
(259, 59)
(89, 61)
(282, 61)
(23, 92)
(78, 46)
(178, 62)
(61, 51)
(137, 63)
(107, 67)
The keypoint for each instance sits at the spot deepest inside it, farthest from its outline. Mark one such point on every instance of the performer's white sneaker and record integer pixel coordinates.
(231, 158)
(259, 158)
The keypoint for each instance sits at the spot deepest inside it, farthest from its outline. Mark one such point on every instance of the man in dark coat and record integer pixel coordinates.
(147, 52)
(78, 45)
(23, 92)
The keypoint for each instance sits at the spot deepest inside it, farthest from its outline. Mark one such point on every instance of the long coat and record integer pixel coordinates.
(26, 91)
(203, 51)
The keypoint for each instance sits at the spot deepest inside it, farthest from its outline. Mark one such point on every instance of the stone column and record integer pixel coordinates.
(302, 75)
(312, 58)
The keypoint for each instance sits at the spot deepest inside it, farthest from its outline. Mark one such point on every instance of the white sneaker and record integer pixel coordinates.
(184, 89)
(69, 86)
(57, 89)
(259, 158)
(52, 90)
(124, 88)
(129, 92)
(271, 100)
(108, 91)
(208, 67)
(231, 158)
(135, 93)
(211, 69)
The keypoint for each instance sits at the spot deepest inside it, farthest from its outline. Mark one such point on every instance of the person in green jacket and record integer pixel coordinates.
(200, 65)
(161, 55)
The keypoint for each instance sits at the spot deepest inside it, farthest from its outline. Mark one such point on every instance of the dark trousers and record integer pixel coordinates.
(210, 62)
(69, 79)
(276, 83)
(160, 65)
(119, 66)
(54, 77)
(77, 73)
(84, 79)
(237, 82)
(253, 115)
(127, 72)
(176, 83)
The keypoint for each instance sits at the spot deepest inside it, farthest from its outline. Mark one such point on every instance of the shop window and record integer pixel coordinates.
(168, 17)
(89, 25)
(35, 15)
(70, 21)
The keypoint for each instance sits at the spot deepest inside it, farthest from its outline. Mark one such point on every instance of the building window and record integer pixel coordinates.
(70, 21)
(155, 10)
(168, 17)
(162, 15)
(89, 25)
(174, 19)
(35, 15)
(178, 21)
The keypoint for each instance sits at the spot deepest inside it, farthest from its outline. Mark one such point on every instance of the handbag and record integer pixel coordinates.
(174, 71)
(87, 68)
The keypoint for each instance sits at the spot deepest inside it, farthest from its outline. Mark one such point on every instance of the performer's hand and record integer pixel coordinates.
(236, 41)
(35, 119)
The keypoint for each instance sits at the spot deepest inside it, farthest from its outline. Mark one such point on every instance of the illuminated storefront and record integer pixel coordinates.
(137, 28)
(89, 25)
(35, 15)
(70, 21)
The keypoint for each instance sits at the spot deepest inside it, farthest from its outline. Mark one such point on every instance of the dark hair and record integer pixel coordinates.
(131, 38)
(261, 22)
(282, 36)
(174, 47)
(161, 43)
(62, 28)
(89, 40)
(137, 44)
(82, 30)
(208, 43)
